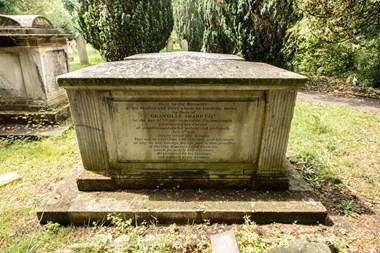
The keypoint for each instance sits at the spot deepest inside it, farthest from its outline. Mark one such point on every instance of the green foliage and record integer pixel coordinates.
(52, 9)
(262, 29)
(337, 38)
(356, 60)
(188, 22)
(348, 207)
(257, 28)
(337, 21)
(121, 28)
(368, 62)
(330, 38)
(52, 227)
(220, 30)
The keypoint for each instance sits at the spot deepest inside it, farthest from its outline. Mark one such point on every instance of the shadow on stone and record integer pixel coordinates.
(67, 205)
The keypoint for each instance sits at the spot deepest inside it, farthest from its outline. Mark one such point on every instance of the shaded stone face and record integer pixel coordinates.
(32, 54)
(186, 119)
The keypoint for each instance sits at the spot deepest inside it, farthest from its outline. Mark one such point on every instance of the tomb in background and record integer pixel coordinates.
(32, 55)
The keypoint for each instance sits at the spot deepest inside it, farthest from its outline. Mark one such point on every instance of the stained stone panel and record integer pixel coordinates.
(185, 131)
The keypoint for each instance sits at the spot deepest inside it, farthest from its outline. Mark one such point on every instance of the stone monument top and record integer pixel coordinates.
(26, 25)
(181, 68)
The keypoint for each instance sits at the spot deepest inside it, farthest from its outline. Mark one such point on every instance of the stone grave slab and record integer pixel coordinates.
(224, 243)
(8, 178)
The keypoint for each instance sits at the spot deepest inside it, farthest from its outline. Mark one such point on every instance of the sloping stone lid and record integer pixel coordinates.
(184, 54)
(182, 68)
(26, 24)
(25, 21)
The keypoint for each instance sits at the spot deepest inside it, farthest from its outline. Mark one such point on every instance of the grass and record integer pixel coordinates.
(93, 58)
(336, 148)
(339, 142)
(42, 163)
(333, 142)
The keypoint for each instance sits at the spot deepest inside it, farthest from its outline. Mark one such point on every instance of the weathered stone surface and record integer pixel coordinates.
(224, 243)
(169, 45)
(45, 131)
(12, 25)
(69, 205)
(302, 246)
(184, 45)
(82, 50)
(32, 55)
(171, 55)
(8, 178)
(25, 21)
(183, 68)
(187, 119)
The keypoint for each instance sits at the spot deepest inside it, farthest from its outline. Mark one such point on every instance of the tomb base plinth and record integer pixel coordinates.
(68, 205)
(52, 116)
(90, 181)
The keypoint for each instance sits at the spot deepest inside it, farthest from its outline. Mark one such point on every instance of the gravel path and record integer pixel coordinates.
(362, 103)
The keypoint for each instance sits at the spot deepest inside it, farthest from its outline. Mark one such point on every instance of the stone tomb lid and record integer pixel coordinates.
(181, 68)
(184, 54)
(25, 24)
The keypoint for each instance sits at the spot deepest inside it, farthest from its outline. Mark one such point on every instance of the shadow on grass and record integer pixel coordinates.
(330, 189)
(13, 139)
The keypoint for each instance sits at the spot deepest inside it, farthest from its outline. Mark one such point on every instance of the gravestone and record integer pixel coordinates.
(73, 46)
(224, 243)
(9, 177)
(32, 54)
(184, 45)
(82, 50)
(169, 45)
(183, 120)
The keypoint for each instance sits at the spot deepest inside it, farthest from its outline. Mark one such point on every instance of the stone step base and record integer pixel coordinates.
(25, 131)
(90, 181)
(68, 205)
(53, 116)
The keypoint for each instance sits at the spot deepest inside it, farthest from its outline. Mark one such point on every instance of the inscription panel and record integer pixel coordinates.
(186, 131)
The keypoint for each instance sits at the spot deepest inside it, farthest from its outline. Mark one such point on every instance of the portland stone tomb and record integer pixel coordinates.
(182, 120)
(32, 55)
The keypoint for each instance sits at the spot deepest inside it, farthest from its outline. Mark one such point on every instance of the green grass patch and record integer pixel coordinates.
(42, 163)
(335, 143)
(337, 146)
